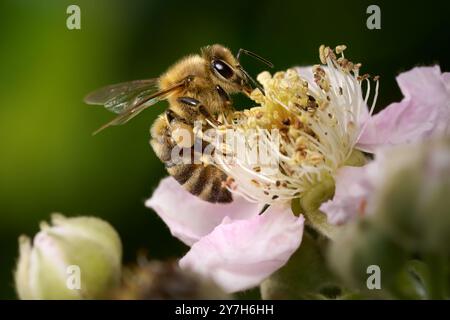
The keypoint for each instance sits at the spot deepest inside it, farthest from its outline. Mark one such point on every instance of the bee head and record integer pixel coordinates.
(225, 69)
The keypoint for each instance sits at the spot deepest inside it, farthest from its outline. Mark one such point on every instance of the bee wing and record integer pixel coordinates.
(129, 99)
(118, 97)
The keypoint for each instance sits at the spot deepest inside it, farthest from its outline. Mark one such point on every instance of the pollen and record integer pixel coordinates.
(304, 127)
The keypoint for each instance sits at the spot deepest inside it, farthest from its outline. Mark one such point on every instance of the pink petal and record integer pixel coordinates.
(352, 196)
(446, 77)
(424, 111)
(190, 218)
(238, 255)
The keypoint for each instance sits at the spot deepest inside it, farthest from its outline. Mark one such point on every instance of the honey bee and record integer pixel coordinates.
(197, 88)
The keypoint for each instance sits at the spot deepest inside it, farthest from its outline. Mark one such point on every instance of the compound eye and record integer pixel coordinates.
(222, 68)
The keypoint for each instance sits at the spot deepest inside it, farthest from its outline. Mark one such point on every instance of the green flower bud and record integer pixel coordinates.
(73, 258)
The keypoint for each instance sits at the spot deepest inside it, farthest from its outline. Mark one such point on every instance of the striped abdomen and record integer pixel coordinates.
(205, 181)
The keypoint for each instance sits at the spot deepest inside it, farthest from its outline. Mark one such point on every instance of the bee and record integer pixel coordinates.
(197, 88)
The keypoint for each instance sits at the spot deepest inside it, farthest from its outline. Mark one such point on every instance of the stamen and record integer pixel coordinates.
(318, 124)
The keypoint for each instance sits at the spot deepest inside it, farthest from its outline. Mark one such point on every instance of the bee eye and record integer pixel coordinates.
(222, 68)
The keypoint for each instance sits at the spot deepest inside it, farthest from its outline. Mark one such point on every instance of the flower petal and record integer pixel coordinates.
(188, 217)
(238, 255)
(351, 198)
(424, 111)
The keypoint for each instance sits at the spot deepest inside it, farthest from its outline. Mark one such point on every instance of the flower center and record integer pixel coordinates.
(305, 127)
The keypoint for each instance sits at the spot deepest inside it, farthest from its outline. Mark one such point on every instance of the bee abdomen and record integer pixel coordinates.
(206, 182)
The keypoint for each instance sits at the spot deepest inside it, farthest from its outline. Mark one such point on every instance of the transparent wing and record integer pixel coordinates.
(121, 96)
(127, 102)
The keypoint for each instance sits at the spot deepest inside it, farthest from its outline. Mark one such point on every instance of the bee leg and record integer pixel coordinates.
(186, 109)
(170, 115)
(189, 108)
(189, 101)
(196, 108)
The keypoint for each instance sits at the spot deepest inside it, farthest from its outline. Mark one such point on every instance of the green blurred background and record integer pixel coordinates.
(49, 161)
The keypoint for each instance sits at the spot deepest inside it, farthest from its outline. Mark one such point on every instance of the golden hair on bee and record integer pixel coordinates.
(197, 88)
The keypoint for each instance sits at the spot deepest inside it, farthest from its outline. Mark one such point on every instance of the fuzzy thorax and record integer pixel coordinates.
(305, 128)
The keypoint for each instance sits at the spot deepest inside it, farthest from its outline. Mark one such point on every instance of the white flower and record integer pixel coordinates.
(306, 126)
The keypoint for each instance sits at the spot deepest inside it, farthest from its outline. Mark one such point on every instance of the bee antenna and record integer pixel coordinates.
(254, 55)
(256, 83)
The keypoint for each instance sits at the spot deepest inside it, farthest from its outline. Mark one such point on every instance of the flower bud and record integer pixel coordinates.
(73, 258)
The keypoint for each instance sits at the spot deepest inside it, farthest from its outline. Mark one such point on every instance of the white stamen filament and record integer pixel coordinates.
(319, 123)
